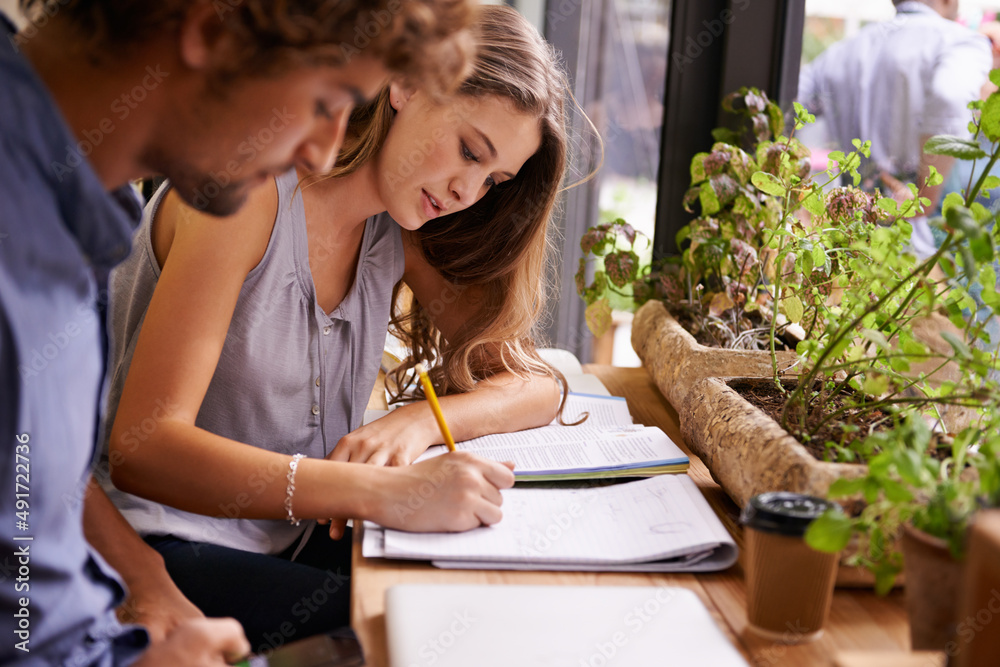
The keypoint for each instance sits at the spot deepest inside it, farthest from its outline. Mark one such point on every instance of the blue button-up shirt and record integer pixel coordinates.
(60, 231)
(898, 81)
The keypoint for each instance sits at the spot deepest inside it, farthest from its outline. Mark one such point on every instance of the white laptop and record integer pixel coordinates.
(554, 626)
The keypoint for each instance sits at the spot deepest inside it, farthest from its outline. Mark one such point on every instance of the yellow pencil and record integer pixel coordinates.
(435, 406)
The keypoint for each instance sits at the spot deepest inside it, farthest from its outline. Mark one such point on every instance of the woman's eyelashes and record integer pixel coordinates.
(469, 155)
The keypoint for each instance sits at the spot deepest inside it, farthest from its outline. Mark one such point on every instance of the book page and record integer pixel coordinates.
(607, 440)
(640, 521)
(574, 449)
(591, 450)
(605, 411)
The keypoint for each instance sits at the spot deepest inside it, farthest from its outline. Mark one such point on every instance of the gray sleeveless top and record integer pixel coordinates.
(291, 378)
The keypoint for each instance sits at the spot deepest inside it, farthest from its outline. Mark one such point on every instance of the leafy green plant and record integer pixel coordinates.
(915, 479)
(622, 279)
(862, 346)
(867, 349)
(721, 285)
(772, 248)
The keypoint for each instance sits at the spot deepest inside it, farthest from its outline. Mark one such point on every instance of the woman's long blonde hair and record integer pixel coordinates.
(499, 245)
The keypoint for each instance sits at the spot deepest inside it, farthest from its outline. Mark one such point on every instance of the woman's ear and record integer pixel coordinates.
(203, 39)
(399, 95)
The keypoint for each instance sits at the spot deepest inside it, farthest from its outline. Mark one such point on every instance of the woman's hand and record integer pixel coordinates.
(396, 439)
(453, 492)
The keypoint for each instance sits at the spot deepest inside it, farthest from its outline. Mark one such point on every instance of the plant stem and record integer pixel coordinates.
(807, 379)
(972, 194)
(778, 260)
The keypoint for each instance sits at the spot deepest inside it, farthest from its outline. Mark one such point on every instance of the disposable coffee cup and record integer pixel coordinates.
(789, 584)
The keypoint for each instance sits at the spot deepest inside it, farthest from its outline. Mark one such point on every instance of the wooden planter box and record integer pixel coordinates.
(676, 361)
(746, 451)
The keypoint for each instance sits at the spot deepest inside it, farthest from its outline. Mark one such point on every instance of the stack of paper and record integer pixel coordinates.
(607, 444)
(661, 524)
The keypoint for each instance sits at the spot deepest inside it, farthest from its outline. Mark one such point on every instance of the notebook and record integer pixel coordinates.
(551, 626)
(606, 445)
(660, 524)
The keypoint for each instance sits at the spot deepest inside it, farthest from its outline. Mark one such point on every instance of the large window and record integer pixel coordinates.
(616, 55)
(651, 73)
(629, 115)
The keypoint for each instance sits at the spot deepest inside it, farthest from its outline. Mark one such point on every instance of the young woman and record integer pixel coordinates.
(242, 345)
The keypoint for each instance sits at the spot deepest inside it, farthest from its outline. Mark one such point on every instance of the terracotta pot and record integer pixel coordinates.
(676, 361)
(933, 580)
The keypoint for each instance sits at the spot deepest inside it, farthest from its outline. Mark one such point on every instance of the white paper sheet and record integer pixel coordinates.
(620, 525)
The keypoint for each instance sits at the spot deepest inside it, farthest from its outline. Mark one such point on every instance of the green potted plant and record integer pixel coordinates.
(864, 364)
(873, 389)
(708, 311)
(768, 252)
(927, 489)
(835, 264)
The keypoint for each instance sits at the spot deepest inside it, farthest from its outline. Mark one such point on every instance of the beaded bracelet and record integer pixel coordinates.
(290, 489)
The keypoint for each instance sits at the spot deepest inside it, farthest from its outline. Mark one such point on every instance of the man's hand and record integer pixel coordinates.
(160, 611)
(154, 600)
(199, 643)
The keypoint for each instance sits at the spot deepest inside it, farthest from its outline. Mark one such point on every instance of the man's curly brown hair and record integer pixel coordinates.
(423, 41)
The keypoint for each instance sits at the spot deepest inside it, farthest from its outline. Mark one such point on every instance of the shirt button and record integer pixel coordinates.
(326, 331)
(317, 381)
(315, 410)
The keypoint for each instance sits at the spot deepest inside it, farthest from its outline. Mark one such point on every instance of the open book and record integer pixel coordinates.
(607, 444)
(661, 524)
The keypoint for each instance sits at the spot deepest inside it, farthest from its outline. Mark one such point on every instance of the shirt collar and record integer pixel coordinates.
(915, 7)
(101, 222)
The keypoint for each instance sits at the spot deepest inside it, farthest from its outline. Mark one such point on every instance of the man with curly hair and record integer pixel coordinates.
(217, 95)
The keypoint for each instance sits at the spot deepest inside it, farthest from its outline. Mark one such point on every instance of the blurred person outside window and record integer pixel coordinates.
(897, 83)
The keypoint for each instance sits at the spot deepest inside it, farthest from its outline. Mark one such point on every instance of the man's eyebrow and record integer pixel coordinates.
(360, 99)
(492, 150)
